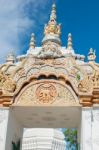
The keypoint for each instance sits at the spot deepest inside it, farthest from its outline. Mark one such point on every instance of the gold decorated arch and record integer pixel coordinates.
(45, 92)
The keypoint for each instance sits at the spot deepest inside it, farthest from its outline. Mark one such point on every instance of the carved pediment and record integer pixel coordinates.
(7, 85)
(46, 93)
(86, 85)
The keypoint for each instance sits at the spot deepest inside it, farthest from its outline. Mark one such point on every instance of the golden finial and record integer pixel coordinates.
(91, 55)
(52, 27)
(32, 41)
(69, 44)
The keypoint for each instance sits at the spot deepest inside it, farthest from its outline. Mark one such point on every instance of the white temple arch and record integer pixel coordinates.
(50, 87)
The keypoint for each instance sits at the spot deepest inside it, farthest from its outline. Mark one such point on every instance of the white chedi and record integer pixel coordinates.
(43, 139)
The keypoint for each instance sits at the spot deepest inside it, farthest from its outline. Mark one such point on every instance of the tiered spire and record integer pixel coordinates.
(69, 44)
(52, 27)
(32, 41)
(32, 44)
(91, 55)
(53, 13)
(51, 42)
(10, 58)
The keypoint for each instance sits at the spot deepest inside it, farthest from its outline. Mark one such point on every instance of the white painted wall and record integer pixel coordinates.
(90, 128)
(4, 112)
(95, 128)
(14, 130)
(86, 129)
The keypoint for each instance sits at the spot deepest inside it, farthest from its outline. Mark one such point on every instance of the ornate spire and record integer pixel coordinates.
(10, 58)
(51, 42)
(32, 41)
(53, 13)
(91, 55)
(52, 27)
(69, 44)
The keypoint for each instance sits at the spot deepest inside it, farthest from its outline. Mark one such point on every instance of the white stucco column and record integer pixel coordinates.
(14, 130)
(86, 129)
(95, 128)
(4, 113)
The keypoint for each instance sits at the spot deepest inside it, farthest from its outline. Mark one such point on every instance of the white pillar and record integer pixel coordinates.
(95, 128)
(14, 130)
(86, 129)
(4, 113)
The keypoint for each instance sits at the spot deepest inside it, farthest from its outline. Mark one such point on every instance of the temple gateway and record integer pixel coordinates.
(49, 87)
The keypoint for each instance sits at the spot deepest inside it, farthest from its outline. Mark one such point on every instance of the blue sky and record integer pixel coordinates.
(18, 19)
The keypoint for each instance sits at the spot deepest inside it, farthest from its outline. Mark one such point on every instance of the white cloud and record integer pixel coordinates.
(14, 19)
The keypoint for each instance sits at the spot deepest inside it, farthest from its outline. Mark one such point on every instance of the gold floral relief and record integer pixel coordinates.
(47, 93)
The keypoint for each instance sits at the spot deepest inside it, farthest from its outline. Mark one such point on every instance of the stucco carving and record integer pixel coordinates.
(47, 92)
(86, 85)
(51, 58)
(95, 79)
(50, 50)
(6, 83)
(52, 28)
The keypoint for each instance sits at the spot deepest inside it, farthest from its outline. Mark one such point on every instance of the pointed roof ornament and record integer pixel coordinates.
(91, 55)
(32, 44)
(10, 57)
(53, 13)
(69, 44)
(52, 28)
(51, 42)
(32, 41)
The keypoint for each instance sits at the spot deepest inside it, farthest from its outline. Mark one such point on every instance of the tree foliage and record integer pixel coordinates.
(16, 146)
(71, 138)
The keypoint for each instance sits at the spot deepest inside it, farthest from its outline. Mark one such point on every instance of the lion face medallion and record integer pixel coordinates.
(46, 93)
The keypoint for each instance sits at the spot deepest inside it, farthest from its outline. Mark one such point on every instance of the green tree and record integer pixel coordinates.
(16, 146)
(71, 138)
